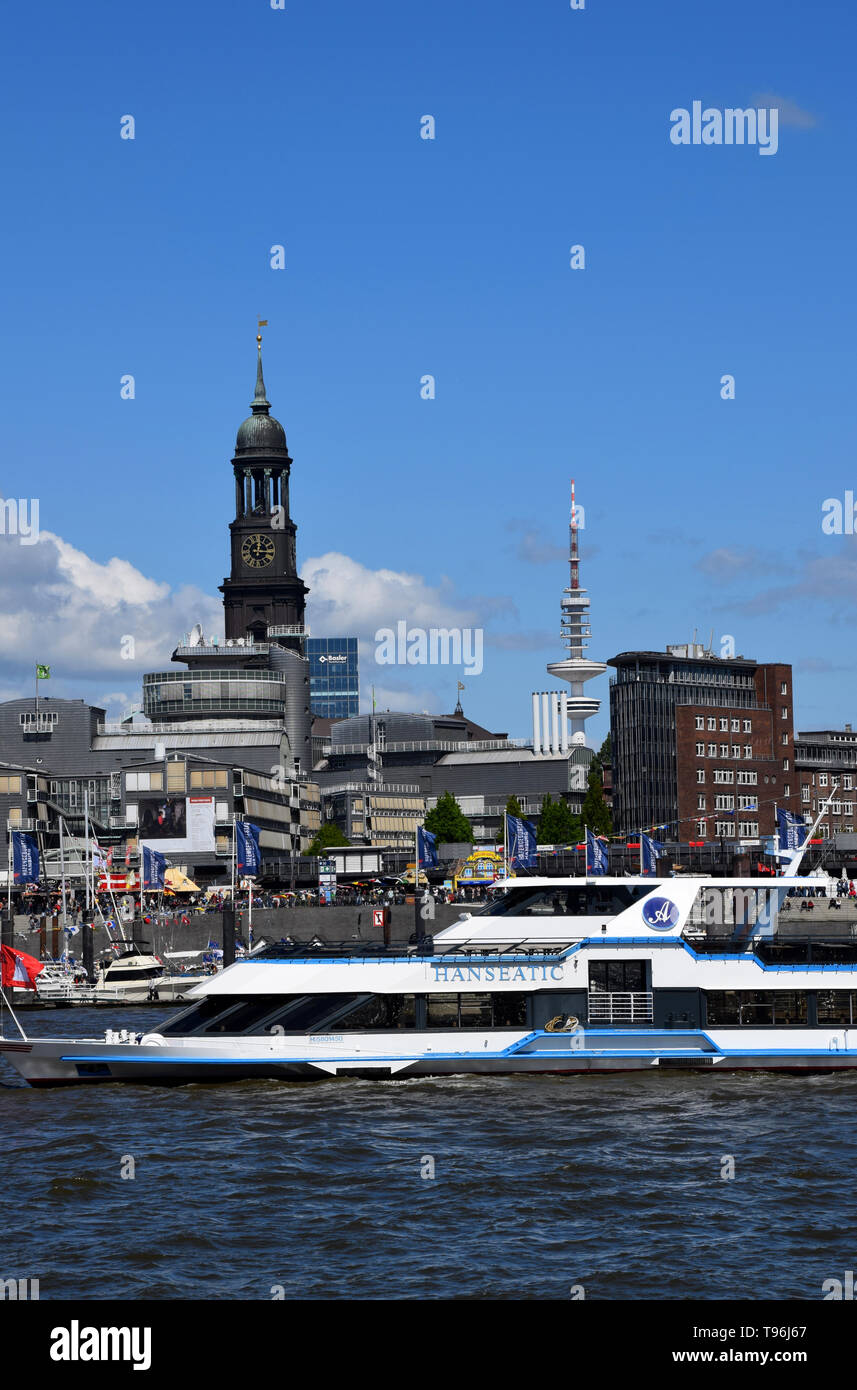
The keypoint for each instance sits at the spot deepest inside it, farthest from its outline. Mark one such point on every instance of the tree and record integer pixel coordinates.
(329, 837)
(604, 756)
(557, 823)
(595, 812)
(448, 823)
(513, 807)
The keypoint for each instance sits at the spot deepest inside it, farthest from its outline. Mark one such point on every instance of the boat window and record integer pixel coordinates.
(197, 1015)
(617, 975)
(380, 1011)
(574, 900)
(476, 1010)
(442, 1011)
(755, 1008)
(837, 1006)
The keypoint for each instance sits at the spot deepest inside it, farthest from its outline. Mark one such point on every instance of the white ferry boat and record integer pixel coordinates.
(557, 975)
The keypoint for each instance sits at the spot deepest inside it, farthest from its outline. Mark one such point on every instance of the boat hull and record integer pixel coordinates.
(56, 1062)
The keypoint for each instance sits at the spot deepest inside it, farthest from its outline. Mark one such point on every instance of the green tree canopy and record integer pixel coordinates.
(329, 837)
(595, 813)
(448, 822)
(557, 823)
(513, 807)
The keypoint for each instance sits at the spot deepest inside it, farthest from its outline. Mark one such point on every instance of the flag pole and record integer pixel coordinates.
(642, 867)
(62, 873)
(86, 852)
(9, 873)
(234, 836)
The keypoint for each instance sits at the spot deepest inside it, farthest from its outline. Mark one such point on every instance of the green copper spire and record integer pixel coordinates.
(260, 405)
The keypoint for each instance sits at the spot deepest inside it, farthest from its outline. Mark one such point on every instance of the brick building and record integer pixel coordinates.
(702, 745)
(824, 760)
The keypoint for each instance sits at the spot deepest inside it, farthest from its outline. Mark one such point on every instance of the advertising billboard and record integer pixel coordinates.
(175, 824)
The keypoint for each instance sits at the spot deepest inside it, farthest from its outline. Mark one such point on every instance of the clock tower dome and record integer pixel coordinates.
(264, 597)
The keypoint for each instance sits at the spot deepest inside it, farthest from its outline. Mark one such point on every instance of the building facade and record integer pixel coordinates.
(825, 760)
(702, 746)
(334, 678)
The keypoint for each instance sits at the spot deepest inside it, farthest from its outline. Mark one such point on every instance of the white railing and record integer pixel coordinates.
(485, 745)
(620, 1006)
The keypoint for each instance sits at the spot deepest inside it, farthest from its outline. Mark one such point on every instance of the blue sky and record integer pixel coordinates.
(300, 127)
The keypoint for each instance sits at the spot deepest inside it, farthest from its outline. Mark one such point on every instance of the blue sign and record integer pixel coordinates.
(249, 856)
(596, 855)
(427, 849)
(792, 830)
(25, 858)
(661, 914)
(521, 839)
(154, 868)
(651, 850)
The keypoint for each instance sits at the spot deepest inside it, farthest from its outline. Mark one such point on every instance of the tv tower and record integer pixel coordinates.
(558, 711)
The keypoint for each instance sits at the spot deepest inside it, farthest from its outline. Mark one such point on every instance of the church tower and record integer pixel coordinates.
(264, 597)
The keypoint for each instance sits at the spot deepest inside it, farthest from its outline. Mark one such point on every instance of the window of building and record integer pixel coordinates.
(736, 750)
(724, 803)
(726, 828)
(701, 829)
(786, 740)
(736, 726)
(700, 750)
(724, 725)
(700, 774)
(700, 722)
(748, 727)
(14, 816)
(175, 777)
(784, 713)
(712, 750)
(847, 784)
(804, 792)
(700, 803)
(144, 781)
(748, 829)
(208, 778)
(784, 689)
(10, 786)
(785, 764)
(787, 791)
(712, 723)
(748, 750)
(724, 750)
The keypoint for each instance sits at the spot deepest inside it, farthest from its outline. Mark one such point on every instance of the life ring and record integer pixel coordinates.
(562, 1023)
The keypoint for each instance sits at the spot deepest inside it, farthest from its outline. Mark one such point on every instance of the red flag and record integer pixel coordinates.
(110, 859)
(127, 856)
(17, 970)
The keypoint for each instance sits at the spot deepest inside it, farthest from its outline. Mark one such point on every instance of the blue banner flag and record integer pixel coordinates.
(25, 858)
(596, 855)
(792, 830)
(651, 850)
(521, 839)
(154, 868)
(426, 849)
(249, 856)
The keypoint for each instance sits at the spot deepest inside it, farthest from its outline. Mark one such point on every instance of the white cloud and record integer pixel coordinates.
(61, 607)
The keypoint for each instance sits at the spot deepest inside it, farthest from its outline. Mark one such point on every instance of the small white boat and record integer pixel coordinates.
(136, 976)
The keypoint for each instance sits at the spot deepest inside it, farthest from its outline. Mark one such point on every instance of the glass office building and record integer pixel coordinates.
(333, 677)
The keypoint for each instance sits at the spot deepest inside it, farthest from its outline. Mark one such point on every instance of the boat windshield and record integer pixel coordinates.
(573, 900)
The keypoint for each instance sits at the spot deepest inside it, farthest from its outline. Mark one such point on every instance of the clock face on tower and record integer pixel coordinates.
(257, 551)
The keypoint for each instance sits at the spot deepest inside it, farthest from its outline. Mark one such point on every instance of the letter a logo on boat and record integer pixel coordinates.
(661, 914)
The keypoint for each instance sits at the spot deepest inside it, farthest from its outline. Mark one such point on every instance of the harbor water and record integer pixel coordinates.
(660, 1186)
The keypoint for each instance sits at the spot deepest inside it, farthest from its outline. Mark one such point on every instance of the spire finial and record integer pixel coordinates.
(260, 405)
